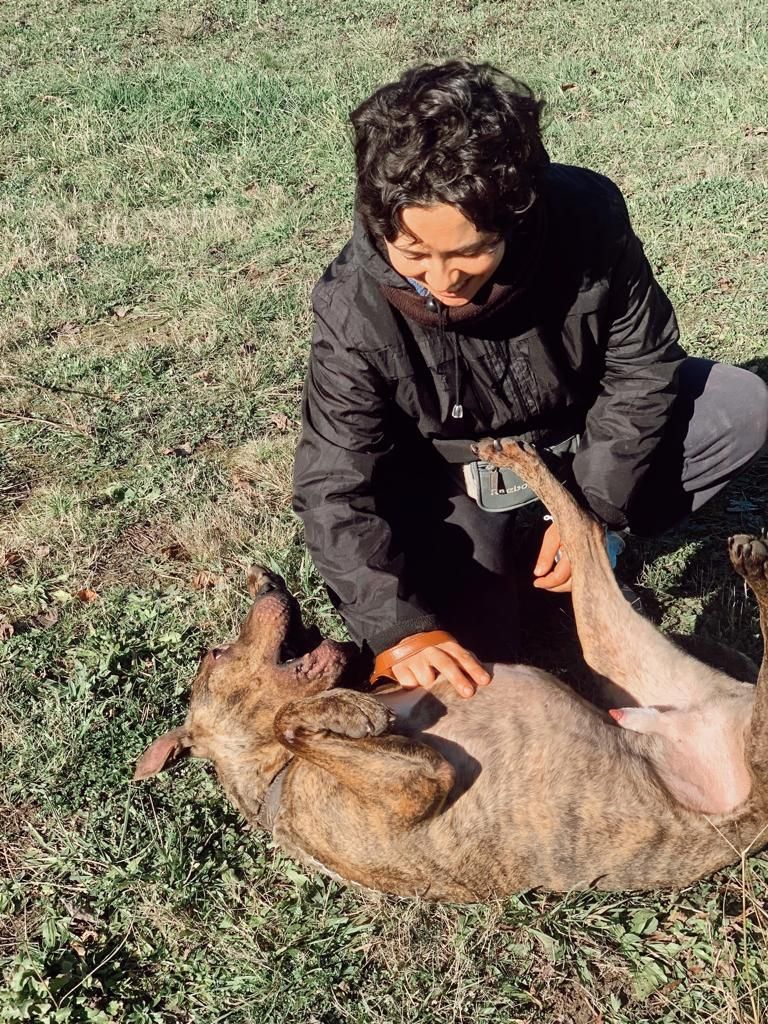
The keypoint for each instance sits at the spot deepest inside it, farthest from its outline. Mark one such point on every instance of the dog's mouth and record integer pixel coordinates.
(324, 663)
(299, 641)
(302, 652)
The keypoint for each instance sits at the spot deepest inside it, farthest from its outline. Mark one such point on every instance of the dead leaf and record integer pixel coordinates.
(86, 595)
(205, 580)
(41, 551)
(251, 272)
(12, 559)
(725, 284)
(280, 420)
(249, 347)
(206, 376)
(121, 312)
(70, 327)
(751, 130)
(567, 86)
(182, 451)
(6, 629)
(83, 916)
(175, 551)
(43, 620)
(669, 987)
(241, 484)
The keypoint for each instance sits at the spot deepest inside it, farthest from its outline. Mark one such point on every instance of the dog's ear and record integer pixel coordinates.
(165, 750)
(257, 577)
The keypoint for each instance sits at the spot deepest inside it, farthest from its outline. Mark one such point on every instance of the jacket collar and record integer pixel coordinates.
(513, 276)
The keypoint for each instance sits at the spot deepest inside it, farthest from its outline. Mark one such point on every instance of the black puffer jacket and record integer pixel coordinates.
(590, 344)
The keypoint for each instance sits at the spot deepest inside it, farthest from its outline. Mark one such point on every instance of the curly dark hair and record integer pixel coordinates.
(458, 133)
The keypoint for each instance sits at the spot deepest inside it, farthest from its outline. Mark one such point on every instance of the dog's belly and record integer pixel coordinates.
(550, 791)
(520, 699)
(402, 701)
(525, 748)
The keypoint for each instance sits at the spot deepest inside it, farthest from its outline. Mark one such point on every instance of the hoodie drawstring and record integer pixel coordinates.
(434, 306)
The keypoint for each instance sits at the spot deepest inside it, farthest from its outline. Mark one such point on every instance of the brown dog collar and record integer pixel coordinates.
(270, 804)
(407, 646)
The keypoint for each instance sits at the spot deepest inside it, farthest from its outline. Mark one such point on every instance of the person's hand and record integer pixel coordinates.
(449, 660)
(550, 575)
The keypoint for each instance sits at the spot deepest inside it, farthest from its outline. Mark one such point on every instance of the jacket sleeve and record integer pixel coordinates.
(344, 443)
(632, 409)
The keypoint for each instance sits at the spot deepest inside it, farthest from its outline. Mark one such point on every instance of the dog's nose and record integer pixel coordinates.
(267, 584)
(261, 581)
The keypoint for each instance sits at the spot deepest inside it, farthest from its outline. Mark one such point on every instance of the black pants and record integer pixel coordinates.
(467, 561)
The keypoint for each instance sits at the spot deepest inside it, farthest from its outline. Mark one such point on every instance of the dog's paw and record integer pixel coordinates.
(336, 712)
(356, 715)
(519, 456)
(749, 557)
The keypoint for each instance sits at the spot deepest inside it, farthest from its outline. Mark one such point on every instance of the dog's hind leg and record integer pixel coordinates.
(749, 557)
(634, 661)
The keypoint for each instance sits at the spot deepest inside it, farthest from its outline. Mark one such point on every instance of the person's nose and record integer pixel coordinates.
(441, 277)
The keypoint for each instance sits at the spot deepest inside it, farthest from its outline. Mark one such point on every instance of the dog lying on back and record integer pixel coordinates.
(527, 784)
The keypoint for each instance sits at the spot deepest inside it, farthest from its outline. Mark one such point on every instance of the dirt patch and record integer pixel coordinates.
(125, 330)
(15, 486)
(141, 552)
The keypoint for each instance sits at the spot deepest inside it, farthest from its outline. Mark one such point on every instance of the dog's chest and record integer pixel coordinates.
(402, 703)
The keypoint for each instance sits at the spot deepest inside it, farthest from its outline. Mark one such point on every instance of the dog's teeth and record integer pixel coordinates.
(496, 445)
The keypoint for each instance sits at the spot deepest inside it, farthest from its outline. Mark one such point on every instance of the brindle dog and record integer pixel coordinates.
(524, 785)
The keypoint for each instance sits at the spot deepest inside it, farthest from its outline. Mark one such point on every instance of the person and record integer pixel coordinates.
(487, 291)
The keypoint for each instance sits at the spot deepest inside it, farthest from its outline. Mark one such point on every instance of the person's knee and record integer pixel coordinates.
(745, 397)
(761, 412)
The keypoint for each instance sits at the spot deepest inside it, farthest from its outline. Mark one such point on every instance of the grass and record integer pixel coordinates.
(175, 178)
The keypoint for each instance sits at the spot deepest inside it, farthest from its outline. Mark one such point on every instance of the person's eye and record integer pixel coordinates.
(415, 255)
(483, 250)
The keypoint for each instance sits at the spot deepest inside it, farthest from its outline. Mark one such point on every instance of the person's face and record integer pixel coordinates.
(444, 251)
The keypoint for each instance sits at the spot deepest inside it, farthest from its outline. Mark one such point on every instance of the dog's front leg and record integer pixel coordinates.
(342, 732)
